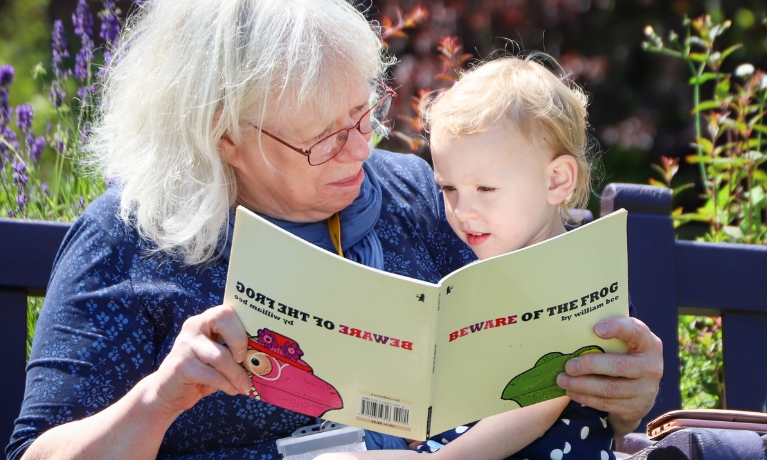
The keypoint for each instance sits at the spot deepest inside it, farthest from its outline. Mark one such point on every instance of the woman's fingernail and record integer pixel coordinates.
(240, 356)
(572, 366)
(602, 329)
(563, 380)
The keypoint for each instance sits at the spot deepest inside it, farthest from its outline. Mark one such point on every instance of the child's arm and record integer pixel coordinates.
(495, 437)
(502, 435)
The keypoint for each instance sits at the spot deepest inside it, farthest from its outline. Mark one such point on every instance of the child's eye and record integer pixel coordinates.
(486, 188)
(447, 188)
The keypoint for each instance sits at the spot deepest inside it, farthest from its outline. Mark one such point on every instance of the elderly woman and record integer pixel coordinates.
(211, 104)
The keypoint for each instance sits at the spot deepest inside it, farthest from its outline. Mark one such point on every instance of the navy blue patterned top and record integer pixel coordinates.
(112, 313)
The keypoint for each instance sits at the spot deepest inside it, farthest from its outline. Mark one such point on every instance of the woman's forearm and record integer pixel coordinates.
(131, 428)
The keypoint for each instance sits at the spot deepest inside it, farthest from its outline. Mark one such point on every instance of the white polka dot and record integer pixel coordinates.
(556, 454)
(567, 448)
(604, 455)
(604, 422)
(584, 432)
(567, 421)
(461, 429)
(445, 441)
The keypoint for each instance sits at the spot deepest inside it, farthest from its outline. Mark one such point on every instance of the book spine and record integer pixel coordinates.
(433, 345)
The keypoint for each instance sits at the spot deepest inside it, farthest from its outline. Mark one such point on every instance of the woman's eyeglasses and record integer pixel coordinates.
(328, 147)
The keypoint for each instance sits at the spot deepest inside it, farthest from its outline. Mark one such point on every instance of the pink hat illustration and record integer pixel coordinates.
(282, 378)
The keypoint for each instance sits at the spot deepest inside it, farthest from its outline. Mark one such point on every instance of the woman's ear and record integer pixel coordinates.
(228, 151)
(562, 175)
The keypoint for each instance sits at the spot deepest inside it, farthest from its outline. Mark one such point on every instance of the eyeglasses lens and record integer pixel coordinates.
(370, 121)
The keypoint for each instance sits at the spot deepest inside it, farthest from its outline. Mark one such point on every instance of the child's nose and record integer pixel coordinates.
(464, 210)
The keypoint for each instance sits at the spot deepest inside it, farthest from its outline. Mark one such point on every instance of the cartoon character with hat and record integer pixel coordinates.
(282, 378)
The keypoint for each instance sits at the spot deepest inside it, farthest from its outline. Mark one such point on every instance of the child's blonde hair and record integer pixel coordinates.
(522, 91)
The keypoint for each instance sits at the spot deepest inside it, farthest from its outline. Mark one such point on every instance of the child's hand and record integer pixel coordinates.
(623, 385)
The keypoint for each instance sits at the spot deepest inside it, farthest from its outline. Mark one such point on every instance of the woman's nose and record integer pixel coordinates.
(357, 147)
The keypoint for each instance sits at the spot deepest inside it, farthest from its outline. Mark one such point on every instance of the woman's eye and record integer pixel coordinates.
(485, 188)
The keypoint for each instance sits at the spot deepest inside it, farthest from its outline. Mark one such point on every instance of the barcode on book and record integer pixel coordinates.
(384, 411)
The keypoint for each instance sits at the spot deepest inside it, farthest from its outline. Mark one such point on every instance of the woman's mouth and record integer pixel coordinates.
(351, 181)
(476, 238)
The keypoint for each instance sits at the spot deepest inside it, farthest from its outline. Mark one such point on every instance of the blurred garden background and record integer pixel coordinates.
(641, 103)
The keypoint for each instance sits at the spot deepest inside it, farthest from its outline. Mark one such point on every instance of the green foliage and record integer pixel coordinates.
(730, 154)
(702, 370)
(729, 130)
(34, 305)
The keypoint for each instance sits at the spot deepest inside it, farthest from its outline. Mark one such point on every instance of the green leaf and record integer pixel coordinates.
(704, 144)
(695, 159)
(722, 90)
(682, 188)
(733, 232)
(706, 105)
(730, 50)
(757, 196)
(698, 57)
(707, 76)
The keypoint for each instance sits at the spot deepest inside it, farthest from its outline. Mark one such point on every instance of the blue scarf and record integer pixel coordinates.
(358, 237)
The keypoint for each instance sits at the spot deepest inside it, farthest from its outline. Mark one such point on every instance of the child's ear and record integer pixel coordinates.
(562, 174)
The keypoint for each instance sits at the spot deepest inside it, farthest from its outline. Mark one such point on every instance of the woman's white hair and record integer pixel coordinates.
(188, 71)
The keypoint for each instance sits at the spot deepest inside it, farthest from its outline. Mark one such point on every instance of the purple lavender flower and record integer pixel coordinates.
(20, 176)
(44, 186)
(6, 75)
(60, 51)
(267, 339)
(83, 61)
(82, 19)
(58, 143)
(110, 24)
(56, 95)
(292, 351)
(24, 117)
(6, 78)
(85, 132)
(10, 137)
(21, 200)
(36, 147)
(83, 22)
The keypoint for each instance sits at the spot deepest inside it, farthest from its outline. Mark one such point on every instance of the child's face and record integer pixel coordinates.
(496, 186)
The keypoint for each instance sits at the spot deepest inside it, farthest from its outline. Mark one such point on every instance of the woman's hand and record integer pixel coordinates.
(623, 385)
(199, 365)
(134, 426)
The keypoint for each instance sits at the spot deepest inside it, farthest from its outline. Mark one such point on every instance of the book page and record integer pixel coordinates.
(332, 338)
(508, 324)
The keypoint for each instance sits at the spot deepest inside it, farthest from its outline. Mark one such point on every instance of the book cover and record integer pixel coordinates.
(335, 339)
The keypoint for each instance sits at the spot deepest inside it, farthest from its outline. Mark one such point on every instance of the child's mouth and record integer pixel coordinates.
(475, 239)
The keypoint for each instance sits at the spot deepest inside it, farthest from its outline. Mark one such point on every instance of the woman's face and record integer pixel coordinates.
(292, 189)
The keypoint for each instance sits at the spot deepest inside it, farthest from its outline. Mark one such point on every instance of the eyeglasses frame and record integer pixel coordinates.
(389, 93)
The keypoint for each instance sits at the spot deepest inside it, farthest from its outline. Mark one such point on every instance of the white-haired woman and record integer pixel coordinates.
(209, 104)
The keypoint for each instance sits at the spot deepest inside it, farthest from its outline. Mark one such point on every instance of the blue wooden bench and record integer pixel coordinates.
(666, 277)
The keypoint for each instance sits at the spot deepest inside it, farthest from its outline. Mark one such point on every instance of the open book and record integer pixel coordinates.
(335, 339)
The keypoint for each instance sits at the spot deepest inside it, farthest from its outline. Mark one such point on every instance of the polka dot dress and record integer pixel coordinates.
(580, 433)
